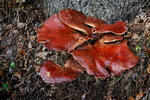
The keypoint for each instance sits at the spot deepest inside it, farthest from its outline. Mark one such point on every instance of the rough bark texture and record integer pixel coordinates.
(108, 10)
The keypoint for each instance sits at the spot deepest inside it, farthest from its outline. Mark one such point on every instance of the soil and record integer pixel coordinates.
(21, 55)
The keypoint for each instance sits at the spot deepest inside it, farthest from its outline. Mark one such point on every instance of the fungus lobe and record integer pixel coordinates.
(53, 73)
(75, 20)
(101, 60)
(94, 22)
(118, 28)
(58, 36)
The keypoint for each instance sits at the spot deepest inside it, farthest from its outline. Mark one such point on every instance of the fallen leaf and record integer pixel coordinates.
(148, 14)
(20, 25)
(32, 38)
(22, 52)
(131, 98)
(139, 96)
(135, 36)
(148, 51)
(42, 54)
(17, 74)
(15, 31)
(1, 73)
(29, 45)
(148, 69)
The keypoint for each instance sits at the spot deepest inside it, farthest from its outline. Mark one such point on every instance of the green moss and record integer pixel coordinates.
(6, 87)
(12, 64)
(137, 48)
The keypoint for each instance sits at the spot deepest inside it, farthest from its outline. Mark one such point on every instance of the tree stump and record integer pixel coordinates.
(108, 10)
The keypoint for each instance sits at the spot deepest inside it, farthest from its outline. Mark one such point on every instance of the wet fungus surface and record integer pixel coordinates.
(70, 30)
(53, 73)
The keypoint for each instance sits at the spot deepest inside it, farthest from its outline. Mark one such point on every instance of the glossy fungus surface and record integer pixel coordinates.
(58, 36)
(75, 20)
(102, 50)
(118, 28)
(102, 59)
(53, 73)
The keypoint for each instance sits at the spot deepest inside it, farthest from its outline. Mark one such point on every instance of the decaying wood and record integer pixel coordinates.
(108, 10)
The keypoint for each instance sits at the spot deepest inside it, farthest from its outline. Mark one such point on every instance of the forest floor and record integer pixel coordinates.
(21, 55)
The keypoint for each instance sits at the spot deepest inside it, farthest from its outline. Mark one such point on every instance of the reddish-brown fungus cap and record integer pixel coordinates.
(53, 73)
(94, 22)
(58, 36)
(101, 58)
(119, 28)
(117, 57)
(74, 65)
(74, 19)
(86, 56)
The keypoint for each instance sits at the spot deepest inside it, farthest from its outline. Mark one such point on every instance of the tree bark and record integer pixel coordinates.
(108, 10)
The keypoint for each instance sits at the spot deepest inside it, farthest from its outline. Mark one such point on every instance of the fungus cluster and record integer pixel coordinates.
(96, 46)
